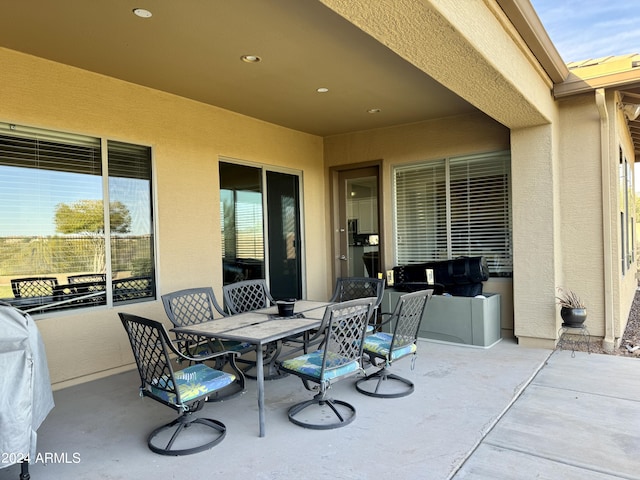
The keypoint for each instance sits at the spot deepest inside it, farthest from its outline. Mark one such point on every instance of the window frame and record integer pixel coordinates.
(65, 300)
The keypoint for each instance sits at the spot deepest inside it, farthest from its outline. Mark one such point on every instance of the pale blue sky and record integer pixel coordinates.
(585, 29)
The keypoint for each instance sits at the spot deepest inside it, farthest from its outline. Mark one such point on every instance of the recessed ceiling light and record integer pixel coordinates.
(322, 90)
(373, 110)
(142, 13)
(250, 58)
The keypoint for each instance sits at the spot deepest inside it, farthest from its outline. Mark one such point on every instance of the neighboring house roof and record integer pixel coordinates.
(621, 72)
(605, 72)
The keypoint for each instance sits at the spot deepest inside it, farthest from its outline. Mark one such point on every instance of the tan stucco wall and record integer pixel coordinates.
(590, 232)
(581, 208)
(534, 234)
(187, 138)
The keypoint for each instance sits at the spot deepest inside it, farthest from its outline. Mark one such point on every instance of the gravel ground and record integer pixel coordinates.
(630, 344)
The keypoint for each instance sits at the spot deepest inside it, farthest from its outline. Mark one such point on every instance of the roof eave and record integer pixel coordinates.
(575, 85)
(525, 19)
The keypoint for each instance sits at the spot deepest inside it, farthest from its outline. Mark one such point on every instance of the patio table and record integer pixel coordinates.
(258, 328)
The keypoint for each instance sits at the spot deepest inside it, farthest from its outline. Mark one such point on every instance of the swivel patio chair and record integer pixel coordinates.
(185, 391)
(383, 348)
(247, 296)
(191, 307)
(339, 357)
(346, 288)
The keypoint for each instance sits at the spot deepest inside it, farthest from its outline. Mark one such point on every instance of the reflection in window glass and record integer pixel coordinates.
(242, 222)
(52, 230)
(130, 220)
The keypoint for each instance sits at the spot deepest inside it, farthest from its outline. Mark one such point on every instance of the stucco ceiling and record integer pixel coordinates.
(192, 48)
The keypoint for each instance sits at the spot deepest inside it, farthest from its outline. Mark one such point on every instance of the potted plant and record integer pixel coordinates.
(572, 310)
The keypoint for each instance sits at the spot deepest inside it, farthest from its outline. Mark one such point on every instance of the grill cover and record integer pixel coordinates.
(462, 276)
(25, 388)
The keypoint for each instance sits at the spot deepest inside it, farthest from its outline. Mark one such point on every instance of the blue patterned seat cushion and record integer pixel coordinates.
(380, 342)
(193, 382)
(311, 365)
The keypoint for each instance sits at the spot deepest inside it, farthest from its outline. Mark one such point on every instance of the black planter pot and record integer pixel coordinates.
(573, 317)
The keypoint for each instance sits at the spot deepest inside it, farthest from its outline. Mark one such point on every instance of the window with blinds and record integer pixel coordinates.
(455, 207)
(53, 237)
(131, 222)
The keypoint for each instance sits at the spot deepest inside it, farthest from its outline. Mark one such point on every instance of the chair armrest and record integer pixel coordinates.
(203, 358)
(377, 326)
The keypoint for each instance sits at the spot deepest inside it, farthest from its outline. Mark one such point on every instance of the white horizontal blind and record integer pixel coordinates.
(480, 196)
(249, 225)
(455, 207)
(420, 212)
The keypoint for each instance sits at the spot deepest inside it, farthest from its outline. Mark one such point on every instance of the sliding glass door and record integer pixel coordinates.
(256, 203)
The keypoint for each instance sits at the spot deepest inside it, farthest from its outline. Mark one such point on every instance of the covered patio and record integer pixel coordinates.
(503, 412)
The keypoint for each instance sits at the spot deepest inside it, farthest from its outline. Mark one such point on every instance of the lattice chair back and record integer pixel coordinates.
(246, 296)
(409, 314)
(133, 288)
(184, 390)
(344, 335)
(383, 348)
(193, 306)
(34, 287)
(350, 288)
(150, 345)
(339, 356)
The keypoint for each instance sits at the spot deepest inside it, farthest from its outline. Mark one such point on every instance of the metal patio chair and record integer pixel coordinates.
(350, 288)
(193, 306)
(384, 348)
(247, 296)
(339, 357)
(185, 391)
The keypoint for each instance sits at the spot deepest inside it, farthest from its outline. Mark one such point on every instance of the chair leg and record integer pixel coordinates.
(319, 418)
(384, 384)
(24, 470)
(180, 425)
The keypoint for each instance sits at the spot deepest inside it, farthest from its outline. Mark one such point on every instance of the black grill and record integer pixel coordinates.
(462, 276)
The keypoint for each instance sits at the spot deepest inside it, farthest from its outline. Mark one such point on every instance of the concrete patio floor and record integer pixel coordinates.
(507, 412)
